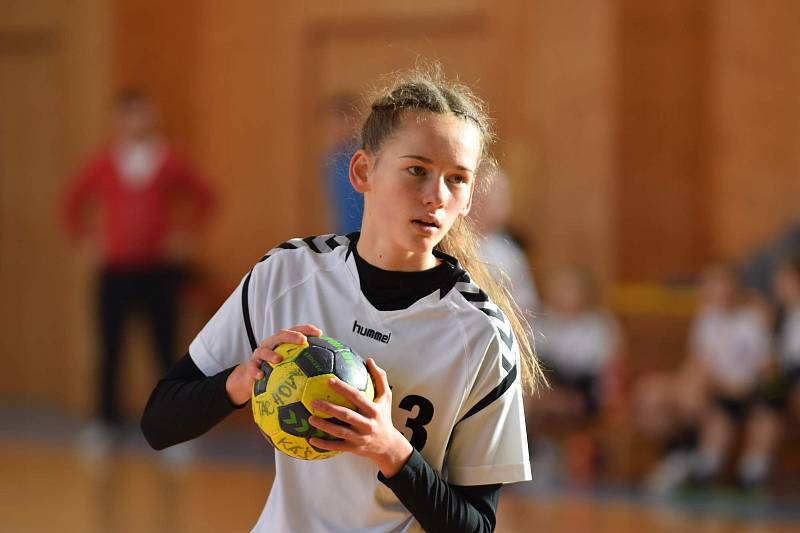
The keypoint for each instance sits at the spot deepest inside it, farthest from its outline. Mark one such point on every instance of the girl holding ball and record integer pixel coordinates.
(446, 428)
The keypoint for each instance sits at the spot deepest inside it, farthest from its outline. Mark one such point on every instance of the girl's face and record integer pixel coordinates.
(415, 188)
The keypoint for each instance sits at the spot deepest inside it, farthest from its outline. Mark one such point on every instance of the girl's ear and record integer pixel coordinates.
(360, 165)
(465, 211)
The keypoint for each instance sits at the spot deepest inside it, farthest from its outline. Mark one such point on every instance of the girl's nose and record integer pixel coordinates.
(435, 191)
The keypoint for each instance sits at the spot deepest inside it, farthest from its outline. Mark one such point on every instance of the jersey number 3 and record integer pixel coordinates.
(417, 423)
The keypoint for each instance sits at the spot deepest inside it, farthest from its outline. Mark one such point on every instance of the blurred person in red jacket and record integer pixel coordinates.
(124, 211)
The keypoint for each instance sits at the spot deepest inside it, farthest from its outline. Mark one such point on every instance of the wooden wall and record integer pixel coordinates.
(624, 124)
(754, 115)
(661, 197)
(642, 138)
(53, 91)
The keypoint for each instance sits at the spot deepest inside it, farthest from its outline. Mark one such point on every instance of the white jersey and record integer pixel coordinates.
(733, 344)
(450, 357)
(577, 346)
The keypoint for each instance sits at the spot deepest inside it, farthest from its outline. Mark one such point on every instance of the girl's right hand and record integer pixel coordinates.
(240, 382)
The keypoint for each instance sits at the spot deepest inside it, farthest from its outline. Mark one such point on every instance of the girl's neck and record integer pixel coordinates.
(384, 254)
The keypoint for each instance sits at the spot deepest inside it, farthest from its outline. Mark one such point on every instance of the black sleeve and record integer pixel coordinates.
(440, 507)
(185, 404)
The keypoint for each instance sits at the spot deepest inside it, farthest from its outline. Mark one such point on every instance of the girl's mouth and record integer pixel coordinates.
(425, 226)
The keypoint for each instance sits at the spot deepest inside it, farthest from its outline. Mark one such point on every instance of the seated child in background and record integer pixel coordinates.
(577, 343)
(713, 391)
(780, 395)
(731, 349)
(490, 214)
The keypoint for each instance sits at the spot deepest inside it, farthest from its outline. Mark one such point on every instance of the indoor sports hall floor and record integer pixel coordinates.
(47, 484)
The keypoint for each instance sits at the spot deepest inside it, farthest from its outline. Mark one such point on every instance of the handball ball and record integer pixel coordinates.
(282, 398)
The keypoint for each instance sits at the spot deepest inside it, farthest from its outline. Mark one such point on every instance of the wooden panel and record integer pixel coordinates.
(52, 71)
(563, 160)
(755, 107)
(155, 48)
(662, 199)
(29, 15)
(246, 104)
(33, 292)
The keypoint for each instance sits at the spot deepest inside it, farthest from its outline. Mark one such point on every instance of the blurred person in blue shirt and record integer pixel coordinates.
(347, 205)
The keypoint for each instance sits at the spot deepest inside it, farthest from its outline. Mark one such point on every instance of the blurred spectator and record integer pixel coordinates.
(578, 343)
(490, 214)
(758, 268)
(347, 205)
(786, 281)
(731, 343)
(715, 389)
(124, 210)
(780, 396)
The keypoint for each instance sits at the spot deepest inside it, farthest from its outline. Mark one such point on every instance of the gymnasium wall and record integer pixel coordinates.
(54, 87)
(642, 138)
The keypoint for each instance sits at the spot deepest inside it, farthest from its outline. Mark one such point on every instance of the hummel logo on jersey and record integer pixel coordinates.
(371, 333)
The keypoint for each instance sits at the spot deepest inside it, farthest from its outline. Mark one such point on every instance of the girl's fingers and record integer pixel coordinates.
(254, 370)
(285, 336)
(331, 445)
(378, 377)
(341, 413)
(266, 355)
(356, 397)
(342, 432)
(294, 335)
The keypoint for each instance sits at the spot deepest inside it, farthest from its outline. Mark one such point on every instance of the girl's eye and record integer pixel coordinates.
(457, 179)
(416, 171)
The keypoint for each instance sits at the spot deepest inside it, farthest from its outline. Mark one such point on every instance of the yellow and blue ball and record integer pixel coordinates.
(282, 399)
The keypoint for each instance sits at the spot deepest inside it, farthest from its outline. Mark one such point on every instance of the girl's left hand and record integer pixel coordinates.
(370, 433)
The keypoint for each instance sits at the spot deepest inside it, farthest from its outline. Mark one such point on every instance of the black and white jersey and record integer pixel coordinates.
(451, 359)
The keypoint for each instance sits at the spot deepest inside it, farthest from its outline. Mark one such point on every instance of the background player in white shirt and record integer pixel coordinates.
(731, 344)
(455, 354)
(578, 343)
(490, 215)
(715, 388)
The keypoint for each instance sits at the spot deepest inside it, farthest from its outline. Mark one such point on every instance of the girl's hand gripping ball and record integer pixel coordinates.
(282, 399)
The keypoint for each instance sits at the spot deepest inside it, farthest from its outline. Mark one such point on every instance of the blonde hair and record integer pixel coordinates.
(425, 89)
